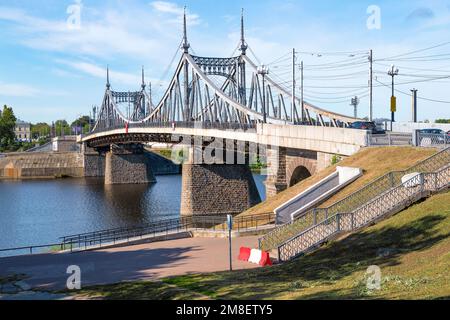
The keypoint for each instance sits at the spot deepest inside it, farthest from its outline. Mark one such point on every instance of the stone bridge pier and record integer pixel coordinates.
(216, 189)
(127, 164)
(287, 167)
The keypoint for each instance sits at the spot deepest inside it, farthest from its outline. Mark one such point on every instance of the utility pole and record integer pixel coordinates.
(293, 87)
(414, 105)
(355, 103)
(393, 71)
(371, 86)
(302, 106)
(263, 70)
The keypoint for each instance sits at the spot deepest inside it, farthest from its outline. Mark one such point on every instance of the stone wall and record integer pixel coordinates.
(128, 169)
(94, 165)
(217, 189)
(162, 166)
(42, 165)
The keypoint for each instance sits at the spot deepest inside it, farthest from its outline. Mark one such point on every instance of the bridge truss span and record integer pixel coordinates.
(215, 90)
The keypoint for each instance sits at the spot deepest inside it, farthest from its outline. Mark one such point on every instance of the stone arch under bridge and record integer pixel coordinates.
(293, 166)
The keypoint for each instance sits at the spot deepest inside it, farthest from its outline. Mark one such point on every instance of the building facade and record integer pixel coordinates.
(23, 131)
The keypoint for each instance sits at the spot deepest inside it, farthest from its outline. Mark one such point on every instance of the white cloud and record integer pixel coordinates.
(131, 80)
(171, 8)
(17, 90)
(105, 33)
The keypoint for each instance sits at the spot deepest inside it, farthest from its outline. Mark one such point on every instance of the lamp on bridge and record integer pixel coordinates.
(263, 71)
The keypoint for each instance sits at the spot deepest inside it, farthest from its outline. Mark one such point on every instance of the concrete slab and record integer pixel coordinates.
(139, 262)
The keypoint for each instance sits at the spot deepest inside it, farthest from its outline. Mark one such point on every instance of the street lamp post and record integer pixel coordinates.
(393, 71)
(264, 70)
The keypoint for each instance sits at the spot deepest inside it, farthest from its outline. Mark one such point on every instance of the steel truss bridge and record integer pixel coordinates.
(246, 97)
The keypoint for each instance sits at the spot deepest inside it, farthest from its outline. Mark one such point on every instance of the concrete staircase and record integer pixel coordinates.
(378, 200)
(390, 202)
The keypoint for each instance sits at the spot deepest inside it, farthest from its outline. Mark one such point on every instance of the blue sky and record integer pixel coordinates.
(49, 72)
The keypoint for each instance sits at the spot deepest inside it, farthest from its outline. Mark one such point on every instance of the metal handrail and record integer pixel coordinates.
(373, 189)
(421, 181)
(181, 124)
(171, 224)
(103, 237)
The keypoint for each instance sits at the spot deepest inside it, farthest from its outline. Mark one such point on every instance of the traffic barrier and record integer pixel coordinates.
(244, 254)
(260, 257)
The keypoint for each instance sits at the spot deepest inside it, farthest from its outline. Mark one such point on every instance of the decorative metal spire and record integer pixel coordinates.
(186, 44)
(143, 78)
(108, 85)
(243, 44)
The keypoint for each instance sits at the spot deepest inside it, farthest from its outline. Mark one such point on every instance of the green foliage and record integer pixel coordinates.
(7, 125)
(335, 159)
(443, 121)
(82, 122)
(61, 126)
(258, 165)
(40, 130)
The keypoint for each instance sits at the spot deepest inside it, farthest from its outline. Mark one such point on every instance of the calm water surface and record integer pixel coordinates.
(35, 212)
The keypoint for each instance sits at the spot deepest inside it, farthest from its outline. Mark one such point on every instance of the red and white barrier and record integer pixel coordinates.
(255, 256)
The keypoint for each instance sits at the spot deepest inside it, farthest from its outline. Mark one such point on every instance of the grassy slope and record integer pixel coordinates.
(416, 266)
(374, 161)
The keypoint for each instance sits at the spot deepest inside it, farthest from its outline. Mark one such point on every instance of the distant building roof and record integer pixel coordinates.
(20, 122)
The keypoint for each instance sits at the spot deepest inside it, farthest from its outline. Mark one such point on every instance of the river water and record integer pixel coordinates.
(35, 212)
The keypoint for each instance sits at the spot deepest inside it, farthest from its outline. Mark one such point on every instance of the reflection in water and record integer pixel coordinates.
(126, 202)
(37, 212)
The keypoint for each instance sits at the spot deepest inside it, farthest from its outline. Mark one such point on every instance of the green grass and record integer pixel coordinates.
(412, 249)
(143, 290)
(375, 162)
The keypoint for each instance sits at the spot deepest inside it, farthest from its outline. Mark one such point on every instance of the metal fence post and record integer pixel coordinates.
(338, 220)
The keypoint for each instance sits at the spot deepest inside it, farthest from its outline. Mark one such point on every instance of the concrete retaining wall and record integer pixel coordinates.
(42, 165)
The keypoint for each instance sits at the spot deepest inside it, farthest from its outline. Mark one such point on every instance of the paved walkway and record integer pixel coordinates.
(139, 262)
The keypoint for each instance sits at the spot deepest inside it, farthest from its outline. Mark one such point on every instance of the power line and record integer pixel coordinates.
(413, 52)
(408, 94)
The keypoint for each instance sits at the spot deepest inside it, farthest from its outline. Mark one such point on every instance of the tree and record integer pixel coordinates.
(443, 121)
(40, 130)
(61, 126)
(7, 125)
(81, 125)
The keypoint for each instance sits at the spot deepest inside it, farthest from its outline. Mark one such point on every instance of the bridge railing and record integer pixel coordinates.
(433, 140)
(184, 124)
(355, 200)
(389, 139)
(153, 229)
(394, 199)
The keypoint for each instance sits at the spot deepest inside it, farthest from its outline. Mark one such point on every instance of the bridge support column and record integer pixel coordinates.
(217, 189)
(276, 171)
(127, 165)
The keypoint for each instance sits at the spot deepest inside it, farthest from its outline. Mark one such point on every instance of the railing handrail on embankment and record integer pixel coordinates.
(154, 229)
(358, 198)
(397, 197)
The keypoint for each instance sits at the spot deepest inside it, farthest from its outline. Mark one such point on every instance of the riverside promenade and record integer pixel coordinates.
(150, 261)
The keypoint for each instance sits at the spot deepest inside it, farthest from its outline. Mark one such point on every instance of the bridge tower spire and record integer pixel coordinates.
(243, 44)
(108, 85)
(186, 45)
(143, 79)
